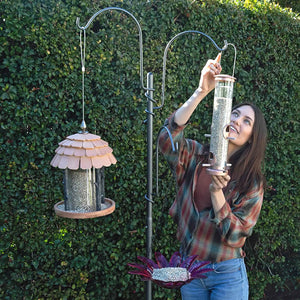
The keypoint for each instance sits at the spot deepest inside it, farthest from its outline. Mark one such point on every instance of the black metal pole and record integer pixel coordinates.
(149, 175)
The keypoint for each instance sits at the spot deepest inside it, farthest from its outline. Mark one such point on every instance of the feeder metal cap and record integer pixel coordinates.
(224, 77)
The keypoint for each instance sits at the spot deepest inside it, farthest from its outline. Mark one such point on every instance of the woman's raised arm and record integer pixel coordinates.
(206, 85)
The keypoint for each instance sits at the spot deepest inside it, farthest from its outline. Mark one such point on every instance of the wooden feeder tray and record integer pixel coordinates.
(108, 207)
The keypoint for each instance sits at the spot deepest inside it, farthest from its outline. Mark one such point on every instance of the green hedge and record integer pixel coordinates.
(43, 256)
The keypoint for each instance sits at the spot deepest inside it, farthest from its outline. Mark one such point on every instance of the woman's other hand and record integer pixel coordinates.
(218, 182)
(207, 80)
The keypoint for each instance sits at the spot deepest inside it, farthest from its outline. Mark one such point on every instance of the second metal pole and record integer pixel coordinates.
(149, 175)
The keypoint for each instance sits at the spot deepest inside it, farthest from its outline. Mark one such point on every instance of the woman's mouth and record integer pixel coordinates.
(232, 128)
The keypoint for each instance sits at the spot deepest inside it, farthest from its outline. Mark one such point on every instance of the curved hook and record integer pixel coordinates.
(234, 61)
(173, 149)
(139, 28)
(165, 58)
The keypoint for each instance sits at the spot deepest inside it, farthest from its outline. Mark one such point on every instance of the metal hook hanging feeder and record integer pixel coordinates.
(221, 113)
(220, 126)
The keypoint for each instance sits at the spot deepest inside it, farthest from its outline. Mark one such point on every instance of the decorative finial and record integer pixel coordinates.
(83, 126)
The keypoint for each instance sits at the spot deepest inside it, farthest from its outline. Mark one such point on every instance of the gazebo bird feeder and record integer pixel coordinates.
(83, 157)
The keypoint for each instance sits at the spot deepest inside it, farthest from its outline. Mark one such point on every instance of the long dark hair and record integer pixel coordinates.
(248, 160)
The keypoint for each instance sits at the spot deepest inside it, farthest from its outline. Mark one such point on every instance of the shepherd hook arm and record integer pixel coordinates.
(83, 28)
(166, 52)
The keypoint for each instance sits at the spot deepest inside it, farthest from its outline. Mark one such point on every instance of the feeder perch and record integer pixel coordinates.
(83, 156)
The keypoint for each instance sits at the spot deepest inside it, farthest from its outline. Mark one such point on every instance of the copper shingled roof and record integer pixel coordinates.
(84, 151)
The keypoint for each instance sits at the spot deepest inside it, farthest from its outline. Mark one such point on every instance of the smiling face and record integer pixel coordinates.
(241, 127)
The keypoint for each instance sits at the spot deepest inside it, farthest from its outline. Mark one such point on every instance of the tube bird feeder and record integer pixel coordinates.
(219, 136)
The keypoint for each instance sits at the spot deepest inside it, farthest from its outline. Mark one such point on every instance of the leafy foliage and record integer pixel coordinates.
(43, 256)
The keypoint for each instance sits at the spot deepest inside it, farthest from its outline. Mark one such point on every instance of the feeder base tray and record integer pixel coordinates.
(107, 208)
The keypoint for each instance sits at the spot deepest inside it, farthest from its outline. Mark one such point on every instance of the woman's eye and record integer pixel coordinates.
(234, 113)
(247, 122)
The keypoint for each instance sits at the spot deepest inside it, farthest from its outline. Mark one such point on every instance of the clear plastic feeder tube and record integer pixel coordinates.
(84, 190)
(220, 125)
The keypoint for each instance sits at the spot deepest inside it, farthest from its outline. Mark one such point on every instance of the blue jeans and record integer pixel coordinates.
(227, 281)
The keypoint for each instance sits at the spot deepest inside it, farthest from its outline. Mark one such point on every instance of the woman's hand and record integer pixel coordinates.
(207, 80)
(218, 182)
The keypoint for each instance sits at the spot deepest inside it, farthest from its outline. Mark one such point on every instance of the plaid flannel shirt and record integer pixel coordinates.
(212, 236)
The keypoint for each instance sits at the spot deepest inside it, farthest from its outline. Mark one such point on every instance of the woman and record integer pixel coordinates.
(215, 214)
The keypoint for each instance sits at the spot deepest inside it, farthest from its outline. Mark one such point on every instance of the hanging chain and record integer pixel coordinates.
(82, 56)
